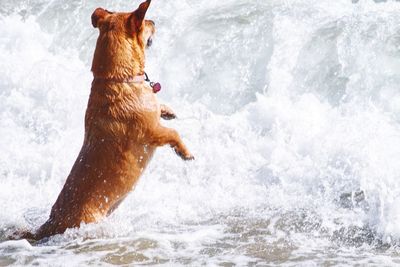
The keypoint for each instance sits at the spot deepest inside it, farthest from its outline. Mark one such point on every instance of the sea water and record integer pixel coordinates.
(291, 108)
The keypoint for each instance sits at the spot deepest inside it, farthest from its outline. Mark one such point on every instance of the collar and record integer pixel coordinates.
(131, 79)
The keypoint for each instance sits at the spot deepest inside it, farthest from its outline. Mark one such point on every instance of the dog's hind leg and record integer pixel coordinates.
(162, 135)
(167, 113)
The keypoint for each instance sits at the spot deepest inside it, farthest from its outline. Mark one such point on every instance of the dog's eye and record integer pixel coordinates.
(149, 42)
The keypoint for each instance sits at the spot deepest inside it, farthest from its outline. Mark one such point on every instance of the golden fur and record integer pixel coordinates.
(122, 125)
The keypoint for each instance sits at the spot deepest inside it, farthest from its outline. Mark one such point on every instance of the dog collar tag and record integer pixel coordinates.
(156, 87)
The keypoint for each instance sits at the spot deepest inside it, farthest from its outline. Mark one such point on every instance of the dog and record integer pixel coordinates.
(122, 125)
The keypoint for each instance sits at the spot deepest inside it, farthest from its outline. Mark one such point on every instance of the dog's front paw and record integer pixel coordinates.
(185, 155)
(167, 113)
(188, 157)
(168, 116)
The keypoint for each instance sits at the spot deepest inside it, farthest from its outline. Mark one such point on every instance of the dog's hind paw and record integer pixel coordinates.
(18, 235)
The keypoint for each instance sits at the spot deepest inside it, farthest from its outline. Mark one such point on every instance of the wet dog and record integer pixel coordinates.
(122, 125)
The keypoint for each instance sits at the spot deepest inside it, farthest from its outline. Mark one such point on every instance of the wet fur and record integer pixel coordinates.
(122, 126)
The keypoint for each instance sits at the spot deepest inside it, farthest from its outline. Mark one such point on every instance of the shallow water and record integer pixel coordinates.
(291, 108)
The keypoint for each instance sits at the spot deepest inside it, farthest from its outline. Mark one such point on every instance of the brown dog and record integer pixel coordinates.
(122, 125)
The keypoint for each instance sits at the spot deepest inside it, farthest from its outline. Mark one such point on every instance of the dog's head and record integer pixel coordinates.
(122, 41)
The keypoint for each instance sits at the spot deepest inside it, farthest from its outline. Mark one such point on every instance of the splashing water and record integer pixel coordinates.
(292, 109)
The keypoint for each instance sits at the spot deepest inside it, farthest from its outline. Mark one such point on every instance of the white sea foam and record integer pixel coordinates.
(292, 110)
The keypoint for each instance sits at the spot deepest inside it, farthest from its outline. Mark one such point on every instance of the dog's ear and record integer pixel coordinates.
(137, 17)
(98, 15)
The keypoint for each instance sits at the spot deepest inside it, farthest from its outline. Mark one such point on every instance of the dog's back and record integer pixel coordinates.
(113, 156)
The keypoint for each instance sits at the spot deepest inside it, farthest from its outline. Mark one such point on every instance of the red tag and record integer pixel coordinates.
(156, 87)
